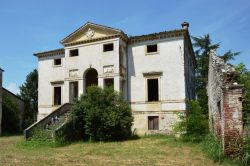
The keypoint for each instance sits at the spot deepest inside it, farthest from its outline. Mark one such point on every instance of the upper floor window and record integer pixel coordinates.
(57, 62)
(108, 47)
(152, 48)
(74, 52)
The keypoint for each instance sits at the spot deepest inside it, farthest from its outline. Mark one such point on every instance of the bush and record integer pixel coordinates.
(213, 147)
(10, 116)
(101, 115)
(193, 126)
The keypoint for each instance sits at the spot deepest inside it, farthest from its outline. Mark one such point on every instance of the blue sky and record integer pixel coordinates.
(30, 26)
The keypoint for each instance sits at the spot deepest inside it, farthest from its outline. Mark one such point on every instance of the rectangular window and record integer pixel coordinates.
(57, 96)
(74, 52)
(153, 90)
(109, 82)
(108, 47)
(152, 48)
(57, 62)
(153, 123)
(73, 88)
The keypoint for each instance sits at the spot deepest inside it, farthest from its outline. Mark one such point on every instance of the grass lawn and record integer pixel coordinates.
(153, 150)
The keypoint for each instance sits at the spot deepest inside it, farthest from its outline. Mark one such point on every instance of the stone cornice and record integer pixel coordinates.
(122, 36)
(156, 36)
(88, 24)
(60, 51)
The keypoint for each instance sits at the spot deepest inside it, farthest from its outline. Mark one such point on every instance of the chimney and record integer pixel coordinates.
(185, 25)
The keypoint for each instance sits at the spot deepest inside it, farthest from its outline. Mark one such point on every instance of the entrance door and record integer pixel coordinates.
(91, 78)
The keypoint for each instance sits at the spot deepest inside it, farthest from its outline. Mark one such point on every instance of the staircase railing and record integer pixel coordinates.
(43, 122)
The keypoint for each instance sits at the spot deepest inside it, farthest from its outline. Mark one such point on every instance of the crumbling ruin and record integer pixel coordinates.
(225, 105)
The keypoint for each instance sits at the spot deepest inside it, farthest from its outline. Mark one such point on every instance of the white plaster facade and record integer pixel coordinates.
(130, 66)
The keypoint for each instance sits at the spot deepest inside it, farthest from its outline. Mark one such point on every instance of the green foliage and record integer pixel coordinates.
(203, 47)
(244, 79)
(66, 134)
(10, 114)
(192, 126)
(29, 94)
(213, 147)
(102, 115)
(40, 135)
(246, 152)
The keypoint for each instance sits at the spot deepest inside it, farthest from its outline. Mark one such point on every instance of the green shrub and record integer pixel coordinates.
(10, 114)
(213, 147)
(246, 152)
(193, 126)
(102, 115)
(40, 135)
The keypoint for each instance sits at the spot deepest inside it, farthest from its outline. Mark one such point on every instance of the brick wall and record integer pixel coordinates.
(225, 105)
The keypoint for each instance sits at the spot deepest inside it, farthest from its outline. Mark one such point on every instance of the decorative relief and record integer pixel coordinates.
(90, 33)
(73, 73)
(108, 69)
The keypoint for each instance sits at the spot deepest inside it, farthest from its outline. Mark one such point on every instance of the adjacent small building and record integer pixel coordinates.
(154, 72)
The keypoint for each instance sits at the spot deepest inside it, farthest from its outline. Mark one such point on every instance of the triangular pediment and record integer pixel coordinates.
(90, 31)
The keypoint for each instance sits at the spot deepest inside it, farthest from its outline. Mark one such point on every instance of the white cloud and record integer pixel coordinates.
(13, 88)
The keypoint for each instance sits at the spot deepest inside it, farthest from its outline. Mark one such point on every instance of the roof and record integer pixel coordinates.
(118, 33)
(9, 92)
(159, 35)
(86, 25)
(59, 51)
(1, 69)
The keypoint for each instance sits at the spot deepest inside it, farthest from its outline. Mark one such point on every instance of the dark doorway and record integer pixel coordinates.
(91, 78)
(57, 95)
(73, 91)
(153, 90)
(109, 82)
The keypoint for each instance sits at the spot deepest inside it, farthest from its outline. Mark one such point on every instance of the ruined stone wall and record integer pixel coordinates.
(225, 104)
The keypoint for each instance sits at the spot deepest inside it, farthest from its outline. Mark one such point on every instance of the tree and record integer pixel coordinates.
(10, 120)
(101, 115)
(244, 79)
(29, 94)
(203, 47)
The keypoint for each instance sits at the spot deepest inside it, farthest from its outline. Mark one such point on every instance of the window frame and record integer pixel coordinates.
(103, 47)
(153, 118)
(152, 53)
(55, 65)
(53, 99)
(109, 78)
(73, 97)
(159, 88)
(70, 51)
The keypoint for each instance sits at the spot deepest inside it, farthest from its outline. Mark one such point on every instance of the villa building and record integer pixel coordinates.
(154, 72)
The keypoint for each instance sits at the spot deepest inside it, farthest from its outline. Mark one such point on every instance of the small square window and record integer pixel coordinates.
(74, 52)
(57, 62)
(108, 47)
(152, 48)
(153, 123)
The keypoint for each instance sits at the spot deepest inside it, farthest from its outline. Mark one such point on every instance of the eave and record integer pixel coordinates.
(60, 51)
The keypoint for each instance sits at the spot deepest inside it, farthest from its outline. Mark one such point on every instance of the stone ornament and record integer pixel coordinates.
(73, 73)
(90, 33)
(108, 69)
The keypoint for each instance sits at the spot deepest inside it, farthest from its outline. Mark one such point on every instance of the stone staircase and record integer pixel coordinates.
(50, 123)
